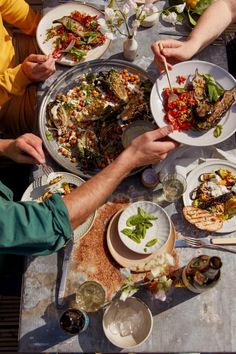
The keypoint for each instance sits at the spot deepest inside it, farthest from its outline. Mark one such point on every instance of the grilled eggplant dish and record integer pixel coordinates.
(201, 104)
(214, 200)
(88, 120)
(75, 35)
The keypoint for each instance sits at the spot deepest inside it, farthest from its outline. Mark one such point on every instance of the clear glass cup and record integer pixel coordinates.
(174, 186)
(74, 321)
(90, 296)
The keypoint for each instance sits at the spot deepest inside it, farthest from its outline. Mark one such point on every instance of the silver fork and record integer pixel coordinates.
(46, 169)
(37, 183)
(195, 243)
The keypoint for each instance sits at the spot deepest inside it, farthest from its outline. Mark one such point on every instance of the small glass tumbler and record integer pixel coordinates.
(74, 321)
(174, 186)
(90, 296)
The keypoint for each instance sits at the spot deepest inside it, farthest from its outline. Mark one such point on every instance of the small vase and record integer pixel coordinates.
(130, 48)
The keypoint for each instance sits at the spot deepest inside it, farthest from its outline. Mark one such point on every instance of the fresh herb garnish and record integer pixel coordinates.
(139, 224)
(78, 53)
(214, 91)
(48, 135)
(151, 242)
(217, 130)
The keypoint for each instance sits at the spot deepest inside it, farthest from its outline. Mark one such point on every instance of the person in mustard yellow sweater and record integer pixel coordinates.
(20, 68)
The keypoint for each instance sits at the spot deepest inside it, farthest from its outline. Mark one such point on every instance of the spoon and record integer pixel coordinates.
(173, 96)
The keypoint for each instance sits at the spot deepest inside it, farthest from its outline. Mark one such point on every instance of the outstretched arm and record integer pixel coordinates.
(144, 150)
(43, 228)
(211, 24)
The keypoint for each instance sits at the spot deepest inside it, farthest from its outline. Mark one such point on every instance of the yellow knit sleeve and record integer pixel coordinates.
(19, 14)
(12, 82)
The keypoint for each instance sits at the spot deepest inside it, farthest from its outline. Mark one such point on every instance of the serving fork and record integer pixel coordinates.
(207, 243)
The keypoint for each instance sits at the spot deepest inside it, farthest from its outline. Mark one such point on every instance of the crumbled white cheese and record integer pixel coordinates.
(216, 190)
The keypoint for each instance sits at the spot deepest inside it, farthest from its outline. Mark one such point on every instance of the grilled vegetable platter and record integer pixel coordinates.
(70, 33)
(85, 112)
(210, 198)
(204, 111)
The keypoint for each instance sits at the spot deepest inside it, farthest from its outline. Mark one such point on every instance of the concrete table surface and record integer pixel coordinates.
(185, 322)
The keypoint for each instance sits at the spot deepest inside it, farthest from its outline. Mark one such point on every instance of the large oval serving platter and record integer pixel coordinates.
(63, 84)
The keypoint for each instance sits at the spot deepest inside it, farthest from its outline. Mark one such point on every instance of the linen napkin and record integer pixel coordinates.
(185, 158)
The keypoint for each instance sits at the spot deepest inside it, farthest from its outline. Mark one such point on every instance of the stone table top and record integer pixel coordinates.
(185, 322)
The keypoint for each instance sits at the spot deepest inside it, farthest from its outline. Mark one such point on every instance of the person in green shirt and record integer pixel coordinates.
(31, 228)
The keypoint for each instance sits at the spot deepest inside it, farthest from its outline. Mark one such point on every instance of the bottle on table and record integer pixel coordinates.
(202, 273)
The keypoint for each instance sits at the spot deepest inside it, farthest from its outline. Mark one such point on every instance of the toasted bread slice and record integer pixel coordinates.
(202, 219)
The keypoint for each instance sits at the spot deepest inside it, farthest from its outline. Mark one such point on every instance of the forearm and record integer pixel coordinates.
(144, 150)
(4, 145)
(92, 194)
(212, 23)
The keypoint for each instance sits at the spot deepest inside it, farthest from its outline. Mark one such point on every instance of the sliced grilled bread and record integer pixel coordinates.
(202, 219)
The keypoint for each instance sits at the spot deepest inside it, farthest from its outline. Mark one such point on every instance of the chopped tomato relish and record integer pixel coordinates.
(179, 113)
(181, 79)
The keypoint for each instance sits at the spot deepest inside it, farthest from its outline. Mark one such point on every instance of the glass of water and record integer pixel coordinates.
(90, 296)
(174, 186)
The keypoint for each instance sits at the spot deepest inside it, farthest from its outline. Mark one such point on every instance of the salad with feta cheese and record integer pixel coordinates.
(216, 193)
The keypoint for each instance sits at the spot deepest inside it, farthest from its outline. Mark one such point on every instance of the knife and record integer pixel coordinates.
(209, 241)
(65, 266)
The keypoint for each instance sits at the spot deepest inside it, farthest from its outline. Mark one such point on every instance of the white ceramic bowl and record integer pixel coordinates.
(160, 229)
(128, 323)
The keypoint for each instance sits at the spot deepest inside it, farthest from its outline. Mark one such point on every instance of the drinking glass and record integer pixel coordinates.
(74, 321)
(174, 186)
(90, 296)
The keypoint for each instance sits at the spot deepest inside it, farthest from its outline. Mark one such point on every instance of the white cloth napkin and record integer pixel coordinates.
(186, 158)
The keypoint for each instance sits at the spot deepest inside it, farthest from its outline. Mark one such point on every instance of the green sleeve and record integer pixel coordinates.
(31, 228)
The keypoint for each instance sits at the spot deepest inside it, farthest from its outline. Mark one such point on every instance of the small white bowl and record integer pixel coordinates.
(160, 230)
(128, 323)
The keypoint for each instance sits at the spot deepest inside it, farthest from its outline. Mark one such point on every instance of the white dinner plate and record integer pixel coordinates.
(193, 182)
(32, 193)
(65, 10)
(160, 229)
(191, 137)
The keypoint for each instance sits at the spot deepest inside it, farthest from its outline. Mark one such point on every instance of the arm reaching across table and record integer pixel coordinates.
(43, 228)
(210, 25)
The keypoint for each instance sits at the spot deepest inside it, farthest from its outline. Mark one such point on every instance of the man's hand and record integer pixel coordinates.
(25, 149)
(174, 51)
(150, 147)
(38, 67)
